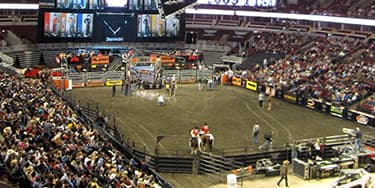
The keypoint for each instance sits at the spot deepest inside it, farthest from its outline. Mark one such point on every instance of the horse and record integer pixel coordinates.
(207, 141)
(195, 144)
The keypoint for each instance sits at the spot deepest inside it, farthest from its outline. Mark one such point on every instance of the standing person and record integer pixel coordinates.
(256, 130)
(261, 99)
(269, 102)
(113, 91)
(284, 173)
(267, 141)
(126, 88)
(357, 139)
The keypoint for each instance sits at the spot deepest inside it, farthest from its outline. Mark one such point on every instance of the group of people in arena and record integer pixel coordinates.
(46, 144)
(319, 71)
(203, 137)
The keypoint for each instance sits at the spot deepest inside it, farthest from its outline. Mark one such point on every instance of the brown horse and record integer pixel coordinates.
(207, 142)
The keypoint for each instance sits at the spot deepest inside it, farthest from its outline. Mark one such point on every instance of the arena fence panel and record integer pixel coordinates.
(113, 78)
(78, 79)
(187, 76)
(94, 79)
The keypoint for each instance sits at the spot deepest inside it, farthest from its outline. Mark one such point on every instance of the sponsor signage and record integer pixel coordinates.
(290, 97)
(251, 85)
(362, 119)
(236, 81)
(336, 111)
(310, 103)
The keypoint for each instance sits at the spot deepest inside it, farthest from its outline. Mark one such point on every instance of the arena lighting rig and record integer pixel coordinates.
(308, 17)
(22, 6)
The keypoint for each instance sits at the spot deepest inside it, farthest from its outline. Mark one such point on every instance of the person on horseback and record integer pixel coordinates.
(194, 132)
(195, 140)
(204, 129)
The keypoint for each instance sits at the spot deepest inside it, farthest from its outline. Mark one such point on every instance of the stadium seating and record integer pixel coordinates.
(47, 144)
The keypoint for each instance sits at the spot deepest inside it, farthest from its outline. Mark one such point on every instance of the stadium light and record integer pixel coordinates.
(21, 6)
(334, 19)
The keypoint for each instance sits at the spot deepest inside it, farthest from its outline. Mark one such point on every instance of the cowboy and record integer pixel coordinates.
(194, 132)
(204, 129)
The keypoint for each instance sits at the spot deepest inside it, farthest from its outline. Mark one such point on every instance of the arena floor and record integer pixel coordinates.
(229, 111)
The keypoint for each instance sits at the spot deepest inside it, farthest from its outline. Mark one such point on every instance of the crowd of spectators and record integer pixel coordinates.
(46, 144)
(343, 8)
(322, 70)
(279, 42)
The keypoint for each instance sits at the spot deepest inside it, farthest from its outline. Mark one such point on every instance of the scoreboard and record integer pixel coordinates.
(107, 21)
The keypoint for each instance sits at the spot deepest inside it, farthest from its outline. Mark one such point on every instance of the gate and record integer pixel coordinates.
(204, 74)
(113, 78)
(94, 79)
(187, 76)
(78, 80)
(216, 166)
(171, 73)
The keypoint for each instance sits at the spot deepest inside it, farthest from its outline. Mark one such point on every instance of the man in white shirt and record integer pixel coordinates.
(160, 100)
(256, 130)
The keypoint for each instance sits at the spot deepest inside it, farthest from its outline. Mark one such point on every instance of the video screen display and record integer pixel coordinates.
(68, 25)
(116, 3)
(80, 4)
(152, 25)
(172, 26)
(141, 5)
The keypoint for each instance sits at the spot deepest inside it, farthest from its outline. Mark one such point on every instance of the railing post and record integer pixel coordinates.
(144, 152)
(97, 110)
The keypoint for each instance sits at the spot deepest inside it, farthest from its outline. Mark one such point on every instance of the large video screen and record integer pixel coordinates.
(80, 4)
(115, 28)
(116, 3)
(153, 25)
(68, 25)
(135, 5)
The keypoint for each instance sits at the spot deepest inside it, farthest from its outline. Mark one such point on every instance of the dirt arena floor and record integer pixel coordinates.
(229, 111)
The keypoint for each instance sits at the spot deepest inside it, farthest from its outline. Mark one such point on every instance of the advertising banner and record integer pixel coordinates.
(310, 103)
(251, 85)
(336, 110)
(290, 97)
(236, 81)
(363, 118)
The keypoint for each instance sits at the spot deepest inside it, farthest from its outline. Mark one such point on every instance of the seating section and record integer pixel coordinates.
(328, 69)
(46, 144)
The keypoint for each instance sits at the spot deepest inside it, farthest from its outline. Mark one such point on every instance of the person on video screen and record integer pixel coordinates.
(146, 25)
(55, 25)
(175, 26)
(87, 22)
(70, 25)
